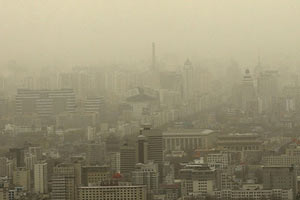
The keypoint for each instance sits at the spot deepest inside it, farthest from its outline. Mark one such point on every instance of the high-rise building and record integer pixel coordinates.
(3, 166)
(248, 95)
(197, 178)
(17, 154)
(268, 90)
(155, 148)
(37, 151)
(41, 178)
(63, 182)
(94, 104)
(95, 154)
(142, 148)
(112, 192)
(280, 177)
(30, 161)
(91, 133)
(22, 178)
(4, 191)
(114, 160)
(45, 102)
(127, 159)
(146, 174)
(188, 79)
(94, 175)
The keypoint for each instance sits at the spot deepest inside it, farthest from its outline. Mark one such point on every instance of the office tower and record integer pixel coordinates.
(142, 148)
(112, 192)
(188, 79)
(4, 191)
(45, 102)
(41, 178)
(94, 104)
(197, 178)
(3, 166)
(30, 161)
(22, 178)
(37, 151)
(114, 160)
(17, 154)
(112, 143)
(127, 159)
(91, 133)
(146, 174)
(94, 175)
(155, 147)
(248, 96)
(267, 90)
(63, 182)
(96, 154)
(280, 177)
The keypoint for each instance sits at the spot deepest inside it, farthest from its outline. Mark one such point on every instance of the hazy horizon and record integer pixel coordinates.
(66, 33)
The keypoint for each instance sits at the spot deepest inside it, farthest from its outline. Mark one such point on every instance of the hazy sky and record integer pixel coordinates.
(46, 32)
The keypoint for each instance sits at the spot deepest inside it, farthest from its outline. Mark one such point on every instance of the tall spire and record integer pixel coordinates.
(153, 57)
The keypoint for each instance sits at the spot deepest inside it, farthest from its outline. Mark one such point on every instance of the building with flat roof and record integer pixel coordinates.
(112, 192)
(280, 177)
(240, 142)
(45, 102)
(94, 175)
(183, 139)
(254, 194)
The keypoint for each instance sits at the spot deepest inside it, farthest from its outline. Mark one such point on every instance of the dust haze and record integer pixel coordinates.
(66, 33)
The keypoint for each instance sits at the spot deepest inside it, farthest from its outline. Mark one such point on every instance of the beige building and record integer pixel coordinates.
(112, 192)
(40, 178)
(21, 177)
(64, 182)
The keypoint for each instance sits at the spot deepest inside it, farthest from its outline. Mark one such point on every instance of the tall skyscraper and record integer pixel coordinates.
(17, 154)
(3, 166)
(155, 147)
(41, 178)
(114, 160)
(127, 159)
(188, 79)
(63, 182)
(248, 95)
(142, 149)
(37, 151)
(95, 154)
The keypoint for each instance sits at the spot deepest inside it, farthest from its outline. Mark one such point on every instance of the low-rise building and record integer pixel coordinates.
(112, 192)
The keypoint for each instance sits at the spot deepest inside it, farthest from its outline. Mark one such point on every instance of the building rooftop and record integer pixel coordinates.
(184, 132)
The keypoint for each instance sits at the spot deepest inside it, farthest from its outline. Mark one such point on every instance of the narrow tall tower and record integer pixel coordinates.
(153, 56)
